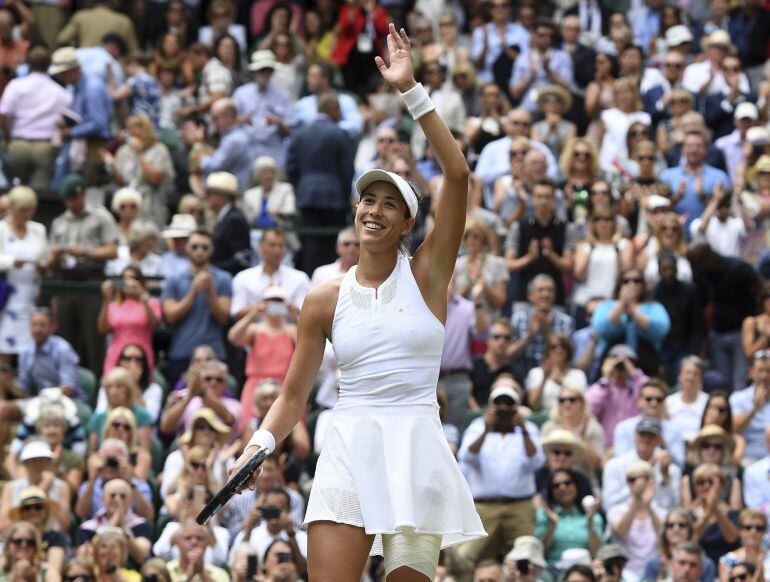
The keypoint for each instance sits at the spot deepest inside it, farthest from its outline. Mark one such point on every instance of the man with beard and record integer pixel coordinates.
(499, 455)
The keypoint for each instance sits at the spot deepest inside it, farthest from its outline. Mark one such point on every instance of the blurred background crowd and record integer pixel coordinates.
(177, 175)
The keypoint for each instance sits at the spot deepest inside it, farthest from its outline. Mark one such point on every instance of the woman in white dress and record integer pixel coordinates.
(386, 481)
(22, 246)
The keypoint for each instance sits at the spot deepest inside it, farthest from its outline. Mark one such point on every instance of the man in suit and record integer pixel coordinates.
(88, 26)
(583, 58)
(320, 166)
(656, 98)
(231, 234)
(720, 106)
(594, 19)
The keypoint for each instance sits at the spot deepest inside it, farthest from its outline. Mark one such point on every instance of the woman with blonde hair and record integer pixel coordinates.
(753, 526)
(121, 425)
(668, 236)
(614, 122)
(127, 206)
(510, 195)
(110, 551)
(196, 479)
(716, 524)
(579, 164)
(572, 414)
(22, 557)
(122, 390)
(480, 275)
(715, 446)
(679, 101)
(22, 245)
(35, 507)
(144, 163)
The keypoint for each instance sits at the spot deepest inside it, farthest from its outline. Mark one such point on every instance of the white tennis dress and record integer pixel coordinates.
(386, 464)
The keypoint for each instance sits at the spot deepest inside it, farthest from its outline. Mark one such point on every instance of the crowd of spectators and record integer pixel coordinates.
(605, 380)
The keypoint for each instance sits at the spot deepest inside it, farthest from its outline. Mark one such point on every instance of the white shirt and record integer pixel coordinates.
(697, 74)
(260, 539)
(249, 285)
(686, 416)
(574, 378)
(501, 468)
(615, 489)
(724, 237)
(623, 438)
(756, 485)
(217, 554)
(326, 273)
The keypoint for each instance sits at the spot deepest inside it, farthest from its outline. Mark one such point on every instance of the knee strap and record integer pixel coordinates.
(416, 551)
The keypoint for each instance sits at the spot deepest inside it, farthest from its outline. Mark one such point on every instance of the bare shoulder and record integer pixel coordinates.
(320, 304)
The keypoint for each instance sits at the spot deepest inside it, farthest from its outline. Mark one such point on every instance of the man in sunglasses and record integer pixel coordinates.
(499, 455)
(197, 303)
(650, 447)
(651, 406)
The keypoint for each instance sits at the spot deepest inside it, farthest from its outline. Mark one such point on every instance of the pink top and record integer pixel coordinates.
(610, 403)
(34, 104)
(128, 321)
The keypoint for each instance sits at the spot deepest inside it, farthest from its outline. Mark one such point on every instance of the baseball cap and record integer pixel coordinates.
(36, 449)
(650, 426)
(71, 185)
(746, 110)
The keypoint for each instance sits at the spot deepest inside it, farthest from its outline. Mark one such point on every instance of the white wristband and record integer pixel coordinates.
(263, 439)
(417, 101)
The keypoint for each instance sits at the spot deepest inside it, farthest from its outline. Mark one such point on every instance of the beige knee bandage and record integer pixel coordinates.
(416, 551)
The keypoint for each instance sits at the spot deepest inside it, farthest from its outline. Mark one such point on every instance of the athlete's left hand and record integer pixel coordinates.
(399, 73)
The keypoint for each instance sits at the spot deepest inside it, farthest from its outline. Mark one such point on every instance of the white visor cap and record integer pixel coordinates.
(403, 187)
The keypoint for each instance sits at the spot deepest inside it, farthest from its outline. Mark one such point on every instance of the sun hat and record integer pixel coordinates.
(714, 431)
(746, 110)
(37, 449)
(62, 60)
(527, 548)
(562, 437)
(758, 135)
(182, 226)
(678, 35)
(222, 182)
(403, 187)
(222, 430)
(29, 496)
(260, 60)
(555, 91)
(719, 38)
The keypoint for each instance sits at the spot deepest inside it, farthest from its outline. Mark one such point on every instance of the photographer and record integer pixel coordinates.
(191, 539)
(278, 564)
(111, 462)
(525, 562)
(116, 512)
(499, 455)
(271, 520)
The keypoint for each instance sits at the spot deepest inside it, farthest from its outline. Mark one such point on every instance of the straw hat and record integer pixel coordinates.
(30, 496)
(714, 431)
(763, 164)
(527, 548)
(63, 60)
(719, 38)
(555, 91)
(182, 226)
(222, 430)
(222, 182)
(562, 438)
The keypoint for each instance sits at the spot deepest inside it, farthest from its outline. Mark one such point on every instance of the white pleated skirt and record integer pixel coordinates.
(388, 468)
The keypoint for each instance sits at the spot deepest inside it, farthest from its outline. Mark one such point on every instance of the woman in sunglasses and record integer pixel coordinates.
(713, 445)
(35, 507)
(677, 528)
(133, 358)
(195, 483)
(719, 412)
(742, 572)
(129, 314)
(79, 569)
(562, 522)
(22, 558)
(110, 551)
(121, 425)
(635, 203)
(668, 236)
(678, 101)
(753, 526)
(544, 383)
(716, 524)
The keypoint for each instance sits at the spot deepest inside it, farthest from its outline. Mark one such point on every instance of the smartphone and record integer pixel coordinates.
(252, 567)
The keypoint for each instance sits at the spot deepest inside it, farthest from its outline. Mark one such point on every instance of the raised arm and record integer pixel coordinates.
(434, 261)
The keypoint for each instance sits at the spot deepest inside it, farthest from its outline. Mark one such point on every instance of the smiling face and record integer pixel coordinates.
(381, 217)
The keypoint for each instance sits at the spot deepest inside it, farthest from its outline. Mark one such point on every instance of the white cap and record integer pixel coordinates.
(746, 110)
(504, 391)
(36, 450)
(274, 292)
(657, 201)
(677, 35)
(264, 59)
(182, 226)
(406, 191)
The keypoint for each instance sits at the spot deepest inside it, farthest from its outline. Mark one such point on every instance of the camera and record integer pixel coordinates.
(270, 512)
(112, 463)
(522, 566)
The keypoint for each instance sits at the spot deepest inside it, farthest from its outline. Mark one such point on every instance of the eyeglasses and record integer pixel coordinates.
(33, 507)
(579, 154)
(128, 206)
(674, 65)
(705, 481)
(202, 426)
(753, 527)
(739, 577)
(348, 243)
(217, 379)
(501, 336)
(603, 219)
(132, 358)
(117, 425)
(123, 496)
(518, 153)
(561, 453)
(634, 280)
(657, 399)
(568, 399)
(677, 525)
(731, 69)
(199, 247)
(715, 446)
(646, 158)
(19, 542)
(563, 484)
(197, 466)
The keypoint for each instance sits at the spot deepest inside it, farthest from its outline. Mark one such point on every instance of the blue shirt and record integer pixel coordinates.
(53, 363)
(233, 155)
(652, 570)
(756, 485)
(560, 64)
(306, 110)
(94, 60)
(691, 205)
(172, 263)
(515, 34)
(266, 139)
(94, 105)
(198, 326)
(741, 402)
(627, 331)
